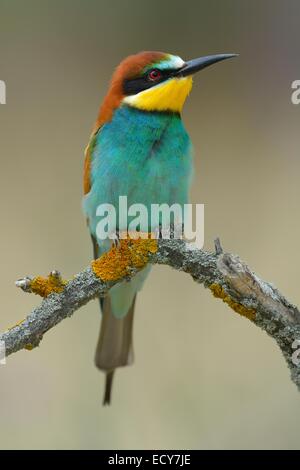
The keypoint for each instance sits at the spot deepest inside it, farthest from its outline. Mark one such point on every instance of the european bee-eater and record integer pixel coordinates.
(138, 148)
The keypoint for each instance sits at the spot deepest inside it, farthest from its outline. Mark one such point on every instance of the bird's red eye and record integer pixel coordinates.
(154, 75)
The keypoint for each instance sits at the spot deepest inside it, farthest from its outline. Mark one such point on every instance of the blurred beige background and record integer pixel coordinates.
(203, 377)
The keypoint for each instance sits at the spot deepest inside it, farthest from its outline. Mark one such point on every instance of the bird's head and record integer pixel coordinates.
(153, 81)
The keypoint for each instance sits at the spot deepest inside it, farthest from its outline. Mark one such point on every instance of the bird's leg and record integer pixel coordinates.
(171, 232)
(115, 239)
(158, 233)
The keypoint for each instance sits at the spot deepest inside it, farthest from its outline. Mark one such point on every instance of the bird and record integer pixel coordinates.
(140, 148)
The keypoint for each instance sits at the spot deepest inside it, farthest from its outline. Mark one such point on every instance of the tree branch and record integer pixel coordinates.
(224, 274)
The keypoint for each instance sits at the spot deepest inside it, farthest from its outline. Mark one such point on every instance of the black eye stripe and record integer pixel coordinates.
(136, 85)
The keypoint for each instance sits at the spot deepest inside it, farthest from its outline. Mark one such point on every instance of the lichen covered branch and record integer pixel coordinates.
(228, 278)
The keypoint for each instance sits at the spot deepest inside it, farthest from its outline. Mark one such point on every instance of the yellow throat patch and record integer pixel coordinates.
(167, 96)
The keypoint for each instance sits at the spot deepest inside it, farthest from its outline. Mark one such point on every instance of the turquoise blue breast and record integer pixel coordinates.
(146, 156)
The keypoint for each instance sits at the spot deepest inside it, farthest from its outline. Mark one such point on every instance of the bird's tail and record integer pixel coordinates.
(115, 347)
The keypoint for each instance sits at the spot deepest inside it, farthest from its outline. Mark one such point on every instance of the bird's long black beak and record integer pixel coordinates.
(193, 66)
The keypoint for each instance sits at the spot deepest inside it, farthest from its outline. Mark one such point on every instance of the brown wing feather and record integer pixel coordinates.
(87, 162)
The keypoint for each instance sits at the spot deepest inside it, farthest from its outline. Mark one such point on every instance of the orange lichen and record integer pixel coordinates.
(132, 253)
(44, 286)
(219, 292)
(29, 347)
